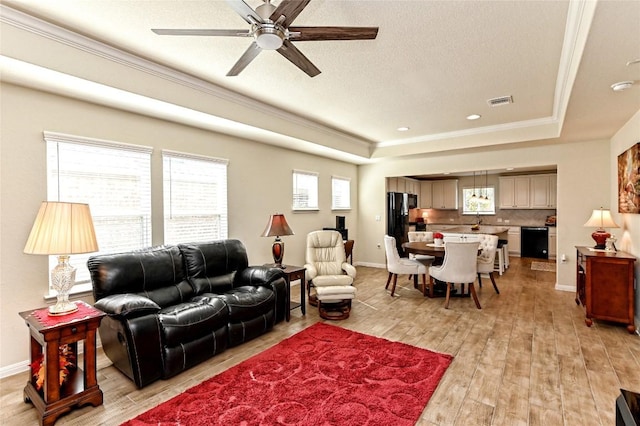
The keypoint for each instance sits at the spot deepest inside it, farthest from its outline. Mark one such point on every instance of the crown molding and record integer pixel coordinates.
(85, 44)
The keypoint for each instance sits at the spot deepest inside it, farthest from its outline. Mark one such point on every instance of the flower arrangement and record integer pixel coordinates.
(66, 359)
(437, 236)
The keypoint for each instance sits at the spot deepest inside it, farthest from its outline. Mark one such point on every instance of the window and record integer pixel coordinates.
(484, 203)
(305, 190)
(195, 198)
(340, 193)
(114, 179)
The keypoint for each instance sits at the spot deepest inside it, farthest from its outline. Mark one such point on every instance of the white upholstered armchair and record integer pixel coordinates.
(329, 273)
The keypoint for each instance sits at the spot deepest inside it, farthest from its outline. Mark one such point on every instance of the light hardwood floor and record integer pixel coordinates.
(526, 358)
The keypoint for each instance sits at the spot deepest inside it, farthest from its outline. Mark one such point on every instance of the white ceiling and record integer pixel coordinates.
(432, 64)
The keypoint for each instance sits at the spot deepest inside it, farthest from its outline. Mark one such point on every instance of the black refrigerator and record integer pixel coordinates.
(398, 218)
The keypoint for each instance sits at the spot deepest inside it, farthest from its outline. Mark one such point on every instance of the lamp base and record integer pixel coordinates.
(600, 237)
(277, 250)
(63, 308)
(63, 277)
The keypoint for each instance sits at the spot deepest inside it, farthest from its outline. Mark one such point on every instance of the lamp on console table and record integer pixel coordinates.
(601, 218)
(277, 227)
(62, 229)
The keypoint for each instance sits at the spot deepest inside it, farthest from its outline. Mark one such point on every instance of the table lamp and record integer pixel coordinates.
(62, 229)
(601, 218)
(277, 227)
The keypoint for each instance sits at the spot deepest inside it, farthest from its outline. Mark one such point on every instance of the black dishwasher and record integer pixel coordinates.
(534, 242)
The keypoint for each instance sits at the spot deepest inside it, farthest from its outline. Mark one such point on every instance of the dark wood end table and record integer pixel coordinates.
(295, 273)
(48, 333)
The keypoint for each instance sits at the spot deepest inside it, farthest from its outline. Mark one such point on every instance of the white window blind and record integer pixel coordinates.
(340, 193)
(195, 198)
(305, 190)
(114, 179)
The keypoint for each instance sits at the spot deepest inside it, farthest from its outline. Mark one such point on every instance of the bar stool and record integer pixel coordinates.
(501, 262)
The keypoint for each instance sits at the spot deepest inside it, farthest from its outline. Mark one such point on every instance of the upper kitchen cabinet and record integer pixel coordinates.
(400, 184)
(542, 192)
(425, 198)
(444, 194)
(514, 192)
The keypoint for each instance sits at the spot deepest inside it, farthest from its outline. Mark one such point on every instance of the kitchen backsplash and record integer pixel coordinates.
(515, 217)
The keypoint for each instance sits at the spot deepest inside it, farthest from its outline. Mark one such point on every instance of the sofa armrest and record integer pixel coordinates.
(258, 276)
(127, 305)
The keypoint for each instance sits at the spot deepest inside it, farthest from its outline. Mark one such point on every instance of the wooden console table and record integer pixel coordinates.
(48, 333)
(604, 285)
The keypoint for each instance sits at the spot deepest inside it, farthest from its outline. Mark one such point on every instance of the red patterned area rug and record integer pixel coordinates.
(324, 375)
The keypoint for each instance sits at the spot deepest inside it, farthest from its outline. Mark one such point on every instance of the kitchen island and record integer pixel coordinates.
(500, 231)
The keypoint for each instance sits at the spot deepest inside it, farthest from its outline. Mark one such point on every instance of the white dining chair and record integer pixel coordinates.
(487, 257)
(400, 265)
(459, 266)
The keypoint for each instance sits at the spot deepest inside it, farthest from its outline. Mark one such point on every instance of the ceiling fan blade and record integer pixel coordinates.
(204, 32)
(248, 56)
(332, 33)
(290, 9)
(289, 51)
(245, 11)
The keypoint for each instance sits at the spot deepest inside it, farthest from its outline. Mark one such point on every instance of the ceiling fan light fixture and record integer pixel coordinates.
(269, 38)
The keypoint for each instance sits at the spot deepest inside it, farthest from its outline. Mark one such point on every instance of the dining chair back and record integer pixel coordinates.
(421, 236)
(401, 265)
(487, 257)
(458, 267)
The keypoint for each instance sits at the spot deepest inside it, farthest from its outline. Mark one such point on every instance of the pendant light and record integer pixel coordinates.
(486, 187)
(473, 196)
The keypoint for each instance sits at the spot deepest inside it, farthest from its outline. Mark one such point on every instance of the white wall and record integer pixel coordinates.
(629, 233)
(259, 183)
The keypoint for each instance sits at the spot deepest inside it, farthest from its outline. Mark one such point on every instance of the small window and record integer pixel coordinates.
(340, 193)
(305, 190)
(484, 202)
(195, 198)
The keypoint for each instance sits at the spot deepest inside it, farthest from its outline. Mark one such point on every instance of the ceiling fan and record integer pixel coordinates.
(271, 30)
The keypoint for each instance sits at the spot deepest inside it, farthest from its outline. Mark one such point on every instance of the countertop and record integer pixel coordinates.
(484, 229)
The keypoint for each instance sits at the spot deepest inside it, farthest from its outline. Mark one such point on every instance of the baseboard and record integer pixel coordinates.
(371, 265)
(564, 287)
(12, 370)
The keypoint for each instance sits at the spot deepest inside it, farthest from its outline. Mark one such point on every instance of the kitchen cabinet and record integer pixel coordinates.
(424, 200)
(412, 186)
(400, 184)
(552, 242)
(604, 286)
(444, 194)
(542, 191)
(514, 192)
(513, 238)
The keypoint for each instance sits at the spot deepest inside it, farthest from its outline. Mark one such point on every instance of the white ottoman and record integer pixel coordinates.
(334, 302)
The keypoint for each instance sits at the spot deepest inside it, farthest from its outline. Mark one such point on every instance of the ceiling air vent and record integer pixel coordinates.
(503, 100)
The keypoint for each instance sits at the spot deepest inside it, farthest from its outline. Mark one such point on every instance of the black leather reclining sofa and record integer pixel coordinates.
(172, 307)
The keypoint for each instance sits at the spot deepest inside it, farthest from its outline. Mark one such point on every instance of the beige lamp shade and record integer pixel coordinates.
(62, 229)
(601, 218)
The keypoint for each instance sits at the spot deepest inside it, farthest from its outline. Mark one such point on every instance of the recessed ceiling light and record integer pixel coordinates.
(402, 129)
(473, 116)
(621, 85)
(509, 168)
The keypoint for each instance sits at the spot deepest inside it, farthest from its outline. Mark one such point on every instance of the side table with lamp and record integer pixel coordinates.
(277, 227)
(62, 229)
